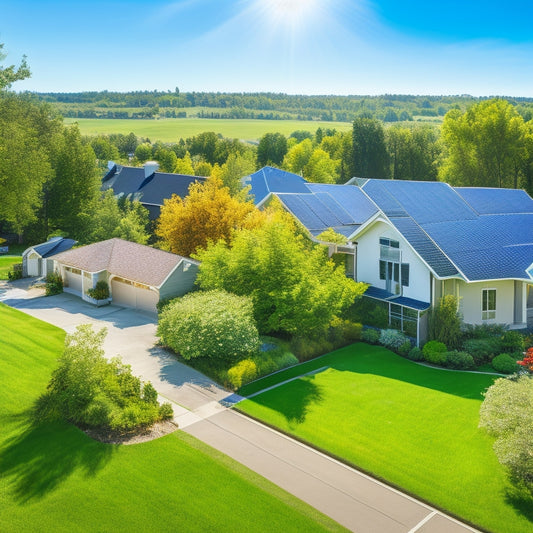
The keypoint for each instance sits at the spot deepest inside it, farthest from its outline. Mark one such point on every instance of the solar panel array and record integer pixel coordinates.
(496, 201)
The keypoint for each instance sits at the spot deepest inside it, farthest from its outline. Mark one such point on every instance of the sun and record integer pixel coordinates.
(291, 13)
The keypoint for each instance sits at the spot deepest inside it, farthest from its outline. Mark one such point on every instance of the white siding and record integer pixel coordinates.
(34, 264)
(368, 252)
(470, 295)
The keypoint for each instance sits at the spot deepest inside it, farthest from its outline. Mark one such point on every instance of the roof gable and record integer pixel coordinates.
(128, 260)
(275, 180)
(53, 246)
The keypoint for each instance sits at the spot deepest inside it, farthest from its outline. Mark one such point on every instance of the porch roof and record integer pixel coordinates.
(382, 294)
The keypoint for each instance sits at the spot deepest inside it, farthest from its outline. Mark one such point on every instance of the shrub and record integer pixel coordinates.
(483, 331)
(16, 273)
(305, 349)
(435, 352)
(445, 322)
(459, 360)
(405, 348)
(504, 364)
(54, 284)
(210, 324)
(89, 390)
(342, 332)
(100, 291)
(512, 342)
(482, 350)
(243, 372)
(369, 312)
(392, 338)
(370, 335)
(273, 360)
(165, 411)
(416, 354)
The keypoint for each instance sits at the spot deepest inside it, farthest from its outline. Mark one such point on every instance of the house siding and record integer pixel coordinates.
(180, 282)
(368, 254)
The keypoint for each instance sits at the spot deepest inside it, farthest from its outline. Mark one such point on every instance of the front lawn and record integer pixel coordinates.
(6, 264)
(55, 478)
(411, 425)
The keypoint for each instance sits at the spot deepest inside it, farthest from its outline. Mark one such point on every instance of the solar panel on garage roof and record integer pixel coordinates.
(494, 201)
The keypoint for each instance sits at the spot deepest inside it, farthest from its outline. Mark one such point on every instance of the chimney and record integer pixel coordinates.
(150, 167)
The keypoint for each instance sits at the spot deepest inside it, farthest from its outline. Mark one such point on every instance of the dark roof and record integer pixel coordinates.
(152, 190)
(54, 246)
(128, 260)
(382, 294)
(270, 179)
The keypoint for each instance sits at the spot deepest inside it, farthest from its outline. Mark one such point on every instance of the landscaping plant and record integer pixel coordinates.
(435, 352)
(54, 284)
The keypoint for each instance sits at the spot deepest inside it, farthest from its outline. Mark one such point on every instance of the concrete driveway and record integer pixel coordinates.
(132, 335)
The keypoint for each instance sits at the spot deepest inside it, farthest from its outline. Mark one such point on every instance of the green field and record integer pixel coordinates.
(55, 478)
(6, 264)
(174, 129)
(411, 425)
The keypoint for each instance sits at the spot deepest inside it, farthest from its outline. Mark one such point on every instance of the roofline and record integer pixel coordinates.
(391, 300)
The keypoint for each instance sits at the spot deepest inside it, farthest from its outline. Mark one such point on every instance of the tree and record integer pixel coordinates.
(445, 322)
(184, 165)
(234, 169)
(298, 156)
(166, 158)
(11, 74)
(209, 213)
(210, 324)
(143, 152)
(74, 190)
(104, 150)
(321, 168)
(369, 152)
(294, 287)
(271, 149)
(205, 145)
(87, 389)
(486, 146)
(507, 413)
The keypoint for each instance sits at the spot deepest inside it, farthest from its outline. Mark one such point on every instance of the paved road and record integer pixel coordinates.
(353, 499)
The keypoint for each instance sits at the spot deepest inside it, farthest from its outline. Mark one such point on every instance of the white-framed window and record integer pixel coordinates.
(488, 304)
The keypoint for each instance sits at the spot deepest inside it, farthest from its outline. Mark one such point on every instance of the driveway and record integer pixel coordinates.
(350, 497)
(130, 334)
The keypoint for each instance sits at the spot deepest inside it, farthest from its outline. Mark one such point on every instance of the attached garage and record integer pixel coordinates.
(131, 294)
(138, 276)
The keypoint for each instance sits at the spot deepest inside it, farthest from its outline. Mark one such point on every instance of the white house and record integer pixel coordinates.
(417, 241)
(138, 276)
(38, 260)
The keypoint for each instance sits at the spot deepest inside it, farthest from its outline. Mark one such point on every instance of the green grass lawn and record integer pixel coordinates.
(413, 426)
(55, 478)
(173, 129)
(6, 264)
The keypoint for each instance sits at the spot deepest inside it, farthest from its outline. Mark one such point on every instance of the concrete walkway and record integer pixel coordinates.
(353, 499)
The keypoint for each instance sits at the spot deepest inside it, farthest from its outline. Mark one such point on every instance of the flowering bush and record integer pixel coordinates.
(527, 362)
(392, 338)
(210, 324)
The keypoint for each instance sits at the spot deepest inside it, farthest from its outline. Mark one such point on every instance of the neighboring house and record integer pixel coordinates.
(147, 185)
(418, 241)
(138, 276)
(38, 260)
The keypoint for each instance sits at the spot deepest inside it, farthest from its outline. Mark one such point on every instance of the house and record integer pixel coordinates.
(138, 276)
(38, 260)
(418, 241)
(147, 185)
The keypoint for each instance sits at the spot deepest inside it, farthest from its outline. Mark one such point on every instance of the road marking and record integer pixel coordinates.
(424, 521)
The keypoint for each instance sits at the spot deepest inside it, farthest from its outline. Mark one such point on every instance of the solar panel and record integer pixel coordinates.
(333, 206)
(328, 218)
(301, 211)
(385, 201)
(496, 201)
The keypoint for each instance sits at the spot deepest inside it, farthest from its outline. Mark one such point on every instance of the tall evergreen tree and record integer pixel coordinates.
(370, 157)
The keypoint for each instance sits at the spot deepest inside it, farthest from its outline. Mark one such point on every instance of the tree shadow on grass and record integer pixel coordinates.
(295, 401)
(521, 499)
(40, 456)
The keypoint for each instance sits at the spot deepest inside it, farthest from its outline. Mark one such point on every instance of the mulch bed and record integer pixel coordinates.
(143, 435)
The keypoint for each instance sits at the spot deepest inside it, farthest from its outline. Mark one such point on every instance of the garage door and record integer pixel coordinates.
(73, 279)
(34, 264)
(135, 295)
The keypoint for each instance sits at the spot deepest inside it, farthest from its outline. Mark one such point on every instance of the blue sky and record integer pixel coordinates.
(292, 46)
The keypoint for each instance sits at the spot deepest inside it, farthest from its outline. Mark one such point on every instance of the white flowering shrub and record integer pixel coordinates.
(210, 324)
(392, 338)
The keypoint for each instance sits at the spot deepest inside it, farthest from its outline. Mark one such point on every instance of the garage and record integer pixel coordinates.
(73, 279)
(131, 294)
(34, 264)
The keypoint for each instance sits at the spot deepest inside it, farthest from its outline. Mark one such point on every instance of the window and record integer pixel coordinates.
(488, 304)
(389, 242)
(405, 274)
(383, 270)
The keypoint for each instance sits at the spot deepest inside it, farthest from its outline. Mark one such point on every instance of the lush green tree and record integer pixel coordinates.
(294, 287)
(203, 168)
(271, 149)
(298, 156)
(210, 324)
(74, 190)
(445, 322)
(184, 165)
(11, 74)
(104, 150)
(486, 146)
(234, 169)
(208, 214)
(321, 168)
(143, 152)
(370, 158)
(166, 158)
(507, 413)
(205, 145)
(89, 390)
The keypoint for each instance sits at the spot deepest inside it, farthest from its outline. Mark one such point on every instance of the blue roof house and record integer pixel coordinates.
(146, 185)
(38, 260)
(418, 241)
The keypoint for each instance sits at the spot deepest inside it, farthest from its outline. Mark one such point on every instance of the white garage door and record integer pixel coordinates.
(73, 279)
(135, 295)
(34, 264)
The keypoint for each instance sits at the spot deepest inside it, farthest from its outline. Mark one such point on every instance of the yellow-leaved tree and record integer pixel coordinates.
(208, 214)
